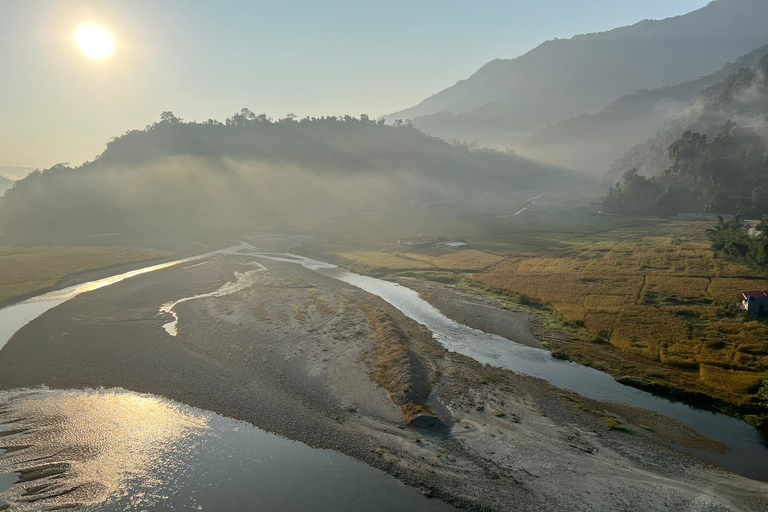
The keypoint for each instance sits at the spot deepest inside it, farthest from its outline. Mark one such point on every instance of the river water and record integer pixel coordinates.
(747, 447)
(747, 452)
(127, 451)
(13, 318)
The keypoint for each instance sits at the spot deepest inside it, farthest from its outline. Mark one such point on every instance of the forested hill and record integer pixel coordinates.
(726, 173)
(250, 169)
(741, 98)
(720, 170)
(590, 143)
(508, 99)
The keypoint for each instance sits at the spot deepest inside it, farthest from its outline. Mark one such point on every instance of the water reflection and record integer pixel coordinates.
(118, 450)
(79, 448)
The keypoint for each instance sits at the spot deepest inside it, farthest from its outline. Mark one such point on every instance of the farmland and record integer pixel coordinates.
(635, 297)
(657, 295)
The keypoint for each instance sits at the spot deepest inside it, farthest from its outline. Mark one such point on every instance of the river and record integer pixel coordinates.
(128, 451)
(747, 452)
(747, 446)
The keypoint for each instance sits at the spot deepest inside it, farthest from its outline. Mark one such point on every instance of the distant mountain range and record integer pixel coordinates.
(509, 99)
(250, 170)
(591, 143)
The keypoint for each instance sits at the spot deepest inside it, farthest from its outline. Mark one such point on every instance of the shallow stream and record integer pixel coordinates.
(747, 447)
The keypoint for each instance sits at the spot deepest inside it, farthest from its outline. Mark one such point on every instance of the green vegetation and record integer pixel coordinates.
(252, 171)
(730, 240)
(436, 276)
(739, 96)
(725, 174)
(763, 393)
(694, 173)
(29, 269)
(613, 424)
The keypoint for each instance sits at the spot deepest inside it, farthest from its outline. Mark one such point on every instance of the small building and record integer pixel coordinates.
(755, 302)
(422, 243)
(455, 245)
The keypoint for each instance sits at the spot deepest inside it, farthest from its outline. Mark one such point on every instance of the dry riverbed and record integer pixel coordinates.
(327, 364)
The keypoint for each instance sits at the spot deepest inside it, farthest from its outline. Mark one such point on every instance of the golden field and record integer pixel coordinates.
(655, 293)
(24, 270)
(460, 260)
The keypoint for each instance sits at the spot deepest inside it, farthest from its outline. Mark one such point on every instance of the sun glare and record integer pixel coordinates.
(94, 41)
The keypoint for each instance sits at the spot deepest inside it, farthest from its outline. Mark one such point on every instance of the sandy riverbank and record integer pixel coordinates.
(306, 357)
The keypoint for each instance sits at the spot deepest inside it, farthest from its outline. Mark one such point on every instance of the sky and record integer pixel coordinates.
(210, 58)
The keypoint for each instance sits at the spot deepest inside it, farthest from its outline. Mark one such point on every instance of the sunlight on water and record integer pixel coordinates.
(118, 450)
(85, 447)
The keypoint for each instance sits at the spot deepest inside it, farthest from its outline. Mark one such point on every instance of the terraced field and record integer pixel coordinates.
(656, 293)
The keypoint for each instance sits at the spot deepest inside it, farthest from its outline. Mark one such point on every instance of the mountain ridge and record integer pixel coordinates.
(591, 143)
(508, 98)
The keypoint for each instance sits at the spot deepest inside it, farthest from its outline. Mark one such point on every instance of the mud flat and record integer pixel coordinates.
(316, 360)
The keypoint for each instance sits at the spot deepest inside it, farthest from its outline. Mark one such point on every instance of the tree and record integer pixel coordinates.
(168, 118)
(729, 239)
(763, 393)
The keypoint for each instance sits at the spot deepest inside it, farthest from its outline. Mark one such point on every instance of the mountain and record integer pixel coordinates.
(723, 170)
(590, 143)
(5, 184)
(741, 97)
(508, 99)
(253, 170)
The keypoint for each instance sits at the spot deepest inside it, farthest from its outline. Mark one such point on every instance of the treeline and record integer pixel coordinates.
(725, 174)
(736, 241)
(249, 168)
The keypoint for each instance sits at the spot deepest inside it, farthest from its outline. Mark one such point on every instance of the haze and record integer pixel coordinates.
(418, 257)
(206, 59)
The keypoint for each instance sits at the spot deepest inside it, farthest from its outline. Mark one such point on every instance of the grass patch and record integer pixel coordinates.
(613, 424)
(29, 269)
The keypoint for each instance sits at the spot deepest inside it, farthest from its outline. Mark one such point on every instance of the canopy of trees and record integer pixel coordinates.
(250, 168)
(742, 97)
(727, 174)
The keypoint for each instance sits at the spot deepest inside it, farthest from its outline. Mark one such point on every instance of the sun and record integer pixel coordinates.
(94, 41)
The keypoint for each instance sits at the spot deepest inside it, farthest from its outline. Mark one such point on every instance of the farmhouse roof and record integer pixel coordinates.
(758, 293)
